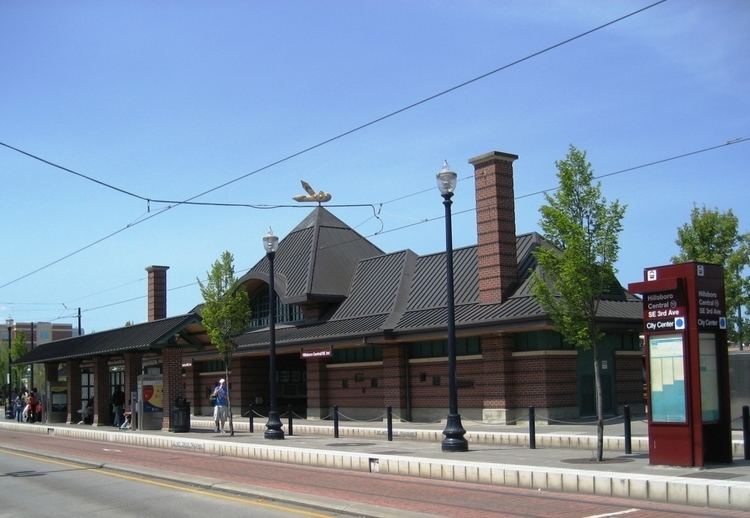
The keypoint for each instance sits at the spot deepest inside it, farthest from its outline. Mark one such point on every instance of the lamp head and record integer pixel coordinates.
(446, 180)
(270, 241)
(9, 322)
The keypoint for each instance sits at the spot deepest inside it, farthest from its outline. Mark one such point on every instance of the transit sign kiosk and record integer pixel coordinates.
(687, 364)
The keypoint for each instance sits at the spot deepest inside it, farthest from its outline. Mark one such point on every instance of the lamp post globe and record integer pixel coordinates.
(273, 426)
(454, 432)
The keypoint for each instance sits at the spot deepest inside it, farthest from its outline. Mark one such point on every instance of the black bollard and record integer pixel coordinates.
(336, 422)
(389, 421)
(628, 436)
(746, 430)
(252, 428)
(290, 430)
(532, 428)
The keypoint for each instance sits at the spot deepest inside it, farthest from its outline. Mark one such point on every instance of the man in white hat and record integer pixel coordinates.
(220, 408)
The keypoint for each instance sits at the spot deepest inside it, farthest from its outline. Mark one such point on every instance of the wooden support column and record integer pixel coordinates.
(51, 372)
(74, 391)
(132, 371)
(102, 394)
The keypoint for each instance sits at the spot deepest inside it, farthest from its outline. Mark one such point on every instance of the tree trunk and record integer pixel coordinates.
(599, 406)
(227, 359)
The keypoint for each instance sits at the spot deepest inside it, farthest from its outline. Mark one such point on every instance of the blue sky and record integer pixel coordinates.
(169, 99)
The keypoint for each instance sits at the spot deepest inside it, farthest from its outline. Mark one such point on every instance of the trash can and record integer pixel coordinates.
(181, 416)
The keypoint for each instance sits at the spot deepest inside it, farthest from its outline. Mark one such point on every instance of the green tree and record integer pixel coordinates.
(713, 236)
(579, 268)
(225, 313)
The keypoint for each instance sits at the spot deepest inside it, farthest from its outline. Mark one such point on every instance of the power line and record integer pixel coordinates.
(472, 209)
(427, 220)
(71, 171)
(649, 164)
(731, 142)
(305, 150)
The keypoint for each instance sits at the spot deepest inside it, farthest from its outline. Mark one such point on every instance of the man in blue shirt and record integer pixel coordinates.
(220, 408)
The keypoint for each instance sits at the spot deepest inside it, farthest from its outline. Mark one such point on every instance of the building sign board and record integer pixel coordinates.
(319, 352)
(664, 310)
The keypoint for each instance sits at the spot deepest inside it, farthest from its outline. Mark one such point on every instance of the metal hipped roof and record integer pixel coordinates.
(378, 288)
(315, 260)
(138, 337)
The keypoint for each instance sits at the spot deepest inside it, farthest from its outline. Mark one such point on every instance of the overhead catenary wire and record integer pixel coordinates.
(306, 149)
(473, 209)
(361, 126)
(74, 172)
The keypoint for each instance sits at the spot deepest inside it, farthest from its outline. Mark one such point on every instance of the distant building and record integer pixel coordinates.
(43, 332)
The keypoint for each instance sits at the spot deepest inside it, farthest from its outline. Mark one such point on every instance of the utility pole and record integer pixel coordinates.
(79, 321)
(31, 378)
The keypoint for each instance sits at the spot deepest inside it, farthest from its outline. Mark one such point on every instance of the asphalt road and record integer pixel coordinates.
(44, 487)
(368, 494)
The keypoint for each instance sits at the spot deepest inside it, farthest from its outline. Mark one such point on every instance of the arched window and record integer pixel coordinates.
(285, 313)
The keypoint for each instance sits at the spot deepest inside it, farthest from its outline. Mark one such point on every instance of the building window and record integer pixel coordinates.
(209, 366)
(439, 348)
(358, 355)
(539, 341)
(116, 378)
(285, 313)
(87, 384)
(553, 341)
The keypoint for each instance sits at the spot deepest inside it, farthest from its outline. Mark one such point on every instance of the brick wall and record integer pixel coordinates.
(358, 392)
(428, 382)
(496, 226)
(544, 380)
(497, 371)
(394, 378)
(157, 292)
(172, 382)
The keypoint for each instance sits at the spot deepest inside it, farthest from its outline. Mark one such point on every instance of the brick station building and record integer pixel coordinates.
(363, 329)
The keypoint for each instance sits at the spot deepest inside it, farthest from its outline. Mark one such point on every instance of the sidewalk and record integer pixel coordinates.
(564, 459)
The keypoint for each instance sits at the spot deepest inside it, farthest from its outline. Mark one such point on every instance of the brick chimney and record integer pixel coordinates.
(497, 266)
(157, 292)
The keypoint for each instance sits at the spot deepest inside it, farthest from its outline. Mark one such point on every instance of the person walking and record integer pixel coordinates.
(220, 407)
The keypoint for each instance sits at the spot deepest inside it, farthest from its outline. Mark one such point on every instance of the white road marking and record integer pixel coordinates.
(618, 513)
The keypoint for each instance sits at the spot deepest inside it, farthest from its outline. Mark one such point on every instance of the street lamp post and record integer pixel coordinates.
(8, 405)
(273, 426)
(454, 432)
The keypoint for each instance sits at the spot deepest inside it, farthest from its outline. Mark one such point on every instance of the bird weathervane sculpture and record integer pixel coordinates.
(312, 194)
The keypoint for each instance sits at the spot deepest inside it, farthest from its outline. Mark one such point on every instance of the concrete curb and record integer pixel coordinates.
(545, 440)
(572, 441)
(675, 490)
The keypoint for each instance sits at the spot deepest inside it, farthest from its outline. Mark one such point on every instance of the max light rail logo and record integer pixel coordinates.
(679, 323)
